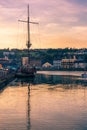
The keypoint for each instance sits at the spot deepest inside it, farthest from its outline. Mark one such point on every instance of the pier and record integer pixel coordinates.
(4, 80)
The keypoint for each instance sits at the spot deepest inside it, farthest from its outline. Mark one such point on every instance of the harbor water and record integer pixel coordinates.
(47, 102)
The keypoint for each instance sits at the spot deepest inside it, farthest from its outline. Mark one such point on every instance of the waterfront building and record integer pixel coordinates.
(57, 64)
(36, 63)
(47, 65)
(4, 62)
(6, 53)
(3, 72)
(33, 62)
(24, 60)
(80, 64)
(68, 63)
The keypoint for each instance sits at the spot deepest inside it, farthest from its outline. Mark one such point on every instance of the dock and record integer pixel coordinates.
(5, 80)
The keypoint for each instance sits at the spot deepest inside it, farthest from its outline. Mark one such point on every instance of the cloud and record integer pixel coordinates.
(57, 18)
(57, 11)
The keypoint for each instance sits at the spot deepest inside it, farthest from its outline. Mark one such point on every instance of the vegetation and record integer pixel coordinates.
(47, 54)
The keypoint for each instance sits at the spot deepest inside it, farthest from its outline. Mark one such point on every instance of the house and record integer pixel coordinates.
(80, 64)
(57, 64)
(68, 63)
(6, 53)
(33, 62)
(47, 65)
(4, 62)
(36, 63)
(24, 60)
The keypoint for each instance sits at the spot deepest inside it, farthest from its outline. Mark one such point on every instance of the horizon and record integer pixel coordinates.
(41, 48)
(62, 24)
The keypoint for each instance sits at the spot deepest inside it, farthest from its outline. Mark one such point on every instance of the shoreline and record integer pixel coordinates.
(6, 80)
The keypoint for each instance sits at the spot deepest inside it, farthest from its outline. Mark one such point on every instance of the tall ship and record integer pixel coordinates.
(27, 70)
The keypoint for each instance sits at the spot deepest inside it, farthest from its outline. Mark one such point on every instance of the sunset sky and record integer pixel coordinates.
(62, 23)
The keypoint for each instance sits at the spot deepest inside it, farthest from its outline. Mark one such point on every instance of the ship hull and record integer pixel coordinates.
(24, 75)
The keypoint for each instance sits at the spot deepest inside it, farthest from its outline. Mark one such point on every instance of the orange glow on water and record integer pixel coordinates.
(45, 107)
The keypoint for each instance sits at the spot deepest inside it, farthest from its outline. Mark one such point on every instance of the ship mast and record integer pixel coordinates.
(28, 42)
(28, 29)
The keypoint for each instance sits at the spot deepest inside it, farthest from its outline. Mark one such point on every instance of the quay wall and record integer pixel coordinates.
(5, 80)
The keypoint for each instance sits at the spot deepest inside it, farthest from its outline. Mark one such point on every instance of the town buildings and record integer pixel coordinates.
(62, 60)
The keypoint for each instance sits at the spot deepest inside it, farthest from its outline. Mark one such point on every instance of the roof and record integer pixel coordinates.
(47, 64)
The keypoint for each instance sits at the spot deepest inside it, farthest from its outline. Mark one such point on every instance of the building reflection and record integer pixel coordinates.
(67, 82)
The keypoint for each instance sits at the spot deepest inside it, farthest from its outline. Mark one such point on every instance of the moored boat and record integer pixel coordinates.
(27, 70)
(84, 75)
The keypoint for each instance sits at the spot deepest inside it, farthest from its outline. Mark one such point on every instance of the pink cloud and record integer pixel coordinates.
(55, 16)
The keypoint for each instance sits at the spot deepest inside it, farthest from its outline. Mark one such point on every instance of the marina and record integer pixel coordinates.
(43, 65)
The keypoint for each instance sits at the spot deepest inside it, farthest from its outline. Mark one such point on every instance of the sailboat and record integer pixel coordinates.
(27, 70)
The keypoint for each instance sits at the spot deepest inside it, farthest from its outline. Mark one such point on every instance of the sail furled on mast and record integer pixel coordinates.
(28, 27)
(28, 44)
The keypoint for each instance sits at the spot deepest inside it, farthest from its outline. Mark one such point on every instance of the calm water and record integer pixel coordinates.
(48, 102)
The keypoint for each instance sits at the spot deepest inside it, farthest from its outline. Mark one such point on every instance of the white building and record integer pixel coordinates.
(24, 60)
(8, 53)
(57, 64)
(80, 64)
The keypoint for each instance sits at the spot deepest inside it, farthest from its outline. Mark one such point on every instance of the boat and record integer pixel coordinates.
(27, 70)
(84, 75)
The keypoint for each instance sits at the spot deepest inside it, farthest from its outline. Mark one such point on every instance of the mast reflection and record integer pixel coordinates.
(28, 109)
(28, 82)
(67, 82)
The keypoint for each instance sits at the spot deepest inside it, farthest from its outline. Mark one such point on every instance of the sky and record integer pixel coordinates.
(62, 23)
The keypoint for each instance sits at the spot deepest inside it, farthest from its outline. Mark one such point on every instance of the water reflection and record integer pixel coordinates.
(28, 110)
(15, 105)
(44, 102)
(56, 79)
(66, 81)
(23, 82)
